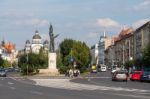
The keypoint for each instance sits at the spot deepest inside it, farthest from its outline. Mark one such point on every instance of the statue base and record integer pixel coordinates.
(48, 72)
(52, 70)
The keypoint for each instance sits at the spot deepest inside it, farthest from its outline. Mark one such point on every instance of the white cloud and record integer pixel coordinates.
(92, 35)
(143, 5)
(140, 23)
(33, 22)
(107, 23)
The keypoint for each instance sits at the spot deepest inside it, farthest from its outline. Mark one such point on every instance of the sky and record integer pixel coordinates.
(83, 20)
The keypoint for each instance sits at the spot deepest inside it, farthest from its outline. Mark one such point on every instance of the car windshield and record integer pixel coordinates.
(137, 72)
(2, 70)
(146, 73)
(121, 72)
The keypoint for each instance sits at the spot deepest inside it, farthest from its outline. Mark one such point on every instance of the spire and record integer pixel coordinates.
(124, 27)
(36, 31)
(104, 33)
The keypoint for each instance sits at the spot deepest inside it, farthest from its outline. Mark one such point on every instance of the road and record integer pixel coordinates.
(97, 87)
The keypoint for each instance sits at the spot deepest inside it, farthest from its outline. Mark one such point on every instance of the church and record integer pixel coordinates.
(36, 44)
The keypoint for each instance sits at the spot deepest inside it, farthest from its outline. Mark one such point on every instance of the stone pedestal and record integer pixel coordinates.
(52, 69)
(52, 63)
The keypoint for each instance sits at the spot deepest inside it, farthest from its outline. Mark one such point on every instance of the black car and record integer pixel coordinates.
(145, 76)
(2, 72)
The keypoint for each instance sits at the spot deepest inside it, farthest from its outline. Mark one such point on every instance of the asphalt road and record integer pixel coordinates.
(103, 88)
(104, 79)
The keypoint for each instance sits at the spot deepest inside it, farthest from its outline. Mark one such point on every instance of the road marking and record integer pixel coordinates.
(13, 88)
(135, 96)
(36, 92)
(95, 77)
(66, 84)
(10, 83)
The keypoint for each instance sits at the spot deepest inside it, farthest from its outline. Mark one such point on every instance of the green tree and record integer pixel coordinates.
(31, 62)
(6, 64)
(78, 50)
(146, 56)
(1, 61)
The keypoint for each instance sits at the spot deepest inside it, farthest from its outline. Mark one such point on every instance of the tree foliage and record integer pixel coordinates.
(31, 62)
(76, 49)
(1, 61)
(146, 56)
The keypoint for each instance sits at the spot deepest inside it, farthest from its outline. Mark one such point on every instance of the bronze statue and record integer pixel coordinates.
(52, 38)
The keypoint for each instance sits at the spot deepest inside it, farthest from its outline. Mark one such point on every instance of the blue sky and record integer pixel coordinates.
(83, 20)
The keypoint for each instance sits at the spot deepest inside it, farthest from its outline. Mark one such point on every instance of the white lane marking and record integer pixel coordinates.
(66, 84)
(95, 77)
(36, 92)
(10, 83)
(135, 96)
(13, 88)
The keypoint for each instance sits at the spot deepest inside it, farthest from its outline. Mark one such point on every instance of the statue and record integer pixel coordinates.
(52, 38)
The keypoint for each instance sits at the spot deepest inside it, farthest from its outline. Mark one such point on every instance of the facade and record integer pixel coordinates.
(103, 44)
(141, 39)
(124, 46)
(94, 54)
(36, 44)
(8, 52)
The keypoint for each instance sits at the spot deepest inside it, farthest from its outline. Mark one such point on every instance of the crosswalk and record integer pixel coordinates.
(118, 91)
(66, 84)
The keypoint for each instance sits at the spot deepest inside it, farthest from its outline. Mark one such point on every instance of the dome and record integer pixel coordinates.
(36, 36)
(46, 42)
(27, 42)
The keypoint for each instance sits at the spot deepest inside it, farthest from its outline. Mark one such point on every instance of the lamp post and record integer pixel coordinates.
(27, 62)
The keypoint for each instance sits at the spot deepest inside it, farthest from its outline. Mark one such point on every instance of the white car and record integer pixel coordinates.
(120, 75)
(103, 68)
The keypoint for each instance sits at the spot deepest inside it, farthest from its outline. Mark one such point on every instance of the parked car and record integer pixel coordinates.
(2, 72)
(136, 75)
(145, 76)
(119, 75)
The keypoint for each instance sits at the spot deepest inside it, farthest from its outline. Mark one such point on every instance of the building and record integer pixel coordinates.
(36, 44)
(141, 39)
(8, 52)
(103, 44)
(124, 46)
(110, 56)
(94, 54)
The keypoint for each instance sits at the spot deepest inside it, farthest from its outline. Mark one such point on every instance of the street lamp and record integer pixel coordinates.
(27, 62)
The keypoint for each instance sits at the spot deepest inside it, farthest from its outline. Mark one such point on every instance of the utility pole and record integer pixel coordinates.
(27, 62)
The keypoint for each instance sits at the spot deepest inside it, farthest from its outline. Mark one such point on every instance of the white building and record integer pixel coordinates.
(94, 54)
(36, 44)
(8, 52)
(103, 44)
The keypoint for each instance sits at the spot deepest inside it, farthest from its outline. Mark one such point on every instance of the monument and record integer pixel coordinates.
(52, 54)
(52, 69)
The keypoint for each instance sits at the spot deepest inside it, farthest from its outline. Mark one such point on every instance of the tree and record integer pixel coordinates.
(31, 62)
(146, 56)
(79, 51)
(1, 61)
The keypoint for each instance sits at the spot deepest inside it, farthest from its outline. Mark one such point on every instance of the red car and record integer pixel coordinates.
(136, 75)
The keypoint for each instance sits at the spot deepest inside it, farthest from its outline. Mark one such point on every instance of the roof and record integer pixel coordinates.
(36, 36)
(46, 42)
(27, 42)
(9, 47)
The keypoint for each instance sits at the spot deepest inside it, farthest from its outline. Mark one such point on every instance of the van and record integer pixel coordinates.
(103, 68)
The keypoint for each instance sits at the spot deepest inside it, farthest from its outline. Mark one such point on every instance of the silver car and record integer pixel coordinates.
(120, 75)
